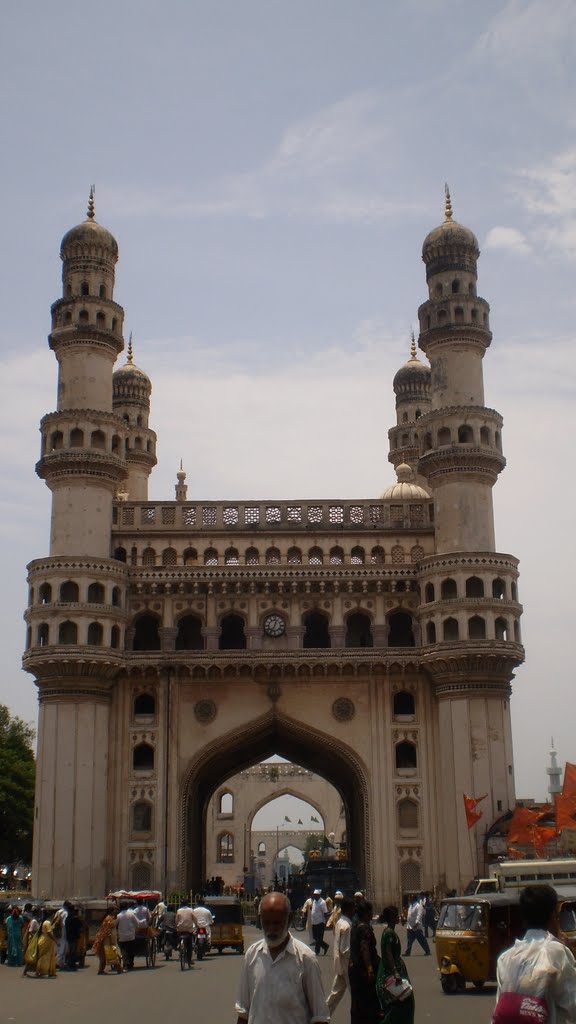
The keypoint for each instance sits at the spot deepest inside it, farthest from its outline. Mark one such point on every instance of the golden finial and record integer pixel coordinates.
(130, 353)
(448, 203)
(181, 466)
(91, 202)
(412, 346)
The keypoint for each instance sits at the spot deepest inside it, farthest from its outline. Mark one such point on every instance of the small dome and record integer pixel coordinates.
(89, 234)
(413, 372)
(450, 238)
(405, 488)
(130, 372)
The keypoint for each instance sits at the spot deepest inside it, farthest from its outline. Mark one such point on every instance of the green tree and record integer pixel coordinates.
(17, 773)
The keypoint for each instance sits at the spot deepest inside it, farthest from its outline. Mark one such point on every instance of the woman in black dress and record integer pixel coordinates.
(364, 960)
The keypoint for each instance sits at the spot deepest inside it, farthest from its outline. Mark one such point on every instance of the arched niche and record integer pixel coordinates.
(298, 742)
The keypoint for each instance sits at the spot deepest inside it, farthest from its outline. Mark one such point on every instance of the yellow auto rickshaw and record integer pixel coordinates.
(227, 929)
(471, 933)
(567, 916)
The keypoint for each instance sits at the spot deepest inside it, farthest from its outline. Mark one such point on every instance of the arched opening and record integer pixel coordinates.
(294, 556)
(359, 630)
(501, 629)
(465, 434)
(253, 556)
(397, 554)
(448, 590)
(300, 744)
(430, 633)
(142, 816)
(498, 589)
(404, 704)
(450, 630)
(84, 288)
(43, 634)
(377, 555)
(96, 594)
(476, 628)
(120, 554)
(336, 556)
(444, 436)
(149, 556)
(102, 292)
(455, 286)
(68, 633)
(225, 854)
(232, 636)
(407, 816)
(401, 633)
(95, 634)
(316, 630)
(231, 556)
(438, 290)
(190, 556)
(189, 636)
(143, 757)
(144, 705)
(484, 436)
(474, 587)
(169, 556)
(272, 556)
(210, 556)
(116, 597)
(226, 804)
(146, 633)
(315, 556)
(76, 438)
(83, 316)
(429, 593)
(98, 439)
(56, 440)
(405, 756)
(69, 593)
(115, 637)
(410, 877)
(45, 593)
(357, 556)
(262, 849)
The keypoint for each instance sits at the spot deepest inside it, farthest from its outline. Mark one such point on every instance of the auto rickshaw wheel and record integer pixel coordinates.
(451, 983)
(478, 985)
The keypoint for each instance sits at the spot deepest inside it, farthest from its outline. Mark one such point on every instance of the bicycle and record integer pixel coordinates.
(185, 950)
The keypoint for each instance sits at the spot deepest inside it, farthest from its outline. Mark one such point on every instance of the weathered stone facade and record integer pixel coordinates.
(176, 643)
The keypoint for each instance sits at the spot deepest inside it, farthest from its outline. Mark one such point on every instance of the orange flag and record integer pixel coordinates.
(470, 805)
(565, 811)
(569, 787)
(541, 835)
(515, 854)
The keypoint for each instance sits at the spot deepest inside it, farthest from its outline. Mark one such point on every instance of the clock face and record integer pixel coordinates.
(274, 625)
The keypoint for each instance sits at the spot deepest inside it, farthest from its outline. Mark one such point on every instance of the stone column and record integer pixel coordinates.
(294, 634)
(338, 635)
(380, 633)
(168, 636)
(253, 637)
(212, 636)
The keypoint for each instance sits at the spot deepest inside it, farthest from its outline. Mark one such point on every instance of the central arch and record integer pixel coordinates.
(270, 734)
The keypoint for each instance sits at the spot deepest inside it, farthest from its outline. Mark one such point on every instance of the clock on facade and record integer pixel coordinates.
(274, 625)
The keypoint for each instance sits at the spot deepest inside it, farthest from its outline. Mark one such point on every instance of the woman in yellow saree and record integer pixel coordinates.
(105, 944)
(46, 963)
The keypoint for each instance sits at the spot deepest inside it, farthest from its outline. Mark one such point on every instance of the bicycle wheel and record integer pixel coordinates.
(182, 950)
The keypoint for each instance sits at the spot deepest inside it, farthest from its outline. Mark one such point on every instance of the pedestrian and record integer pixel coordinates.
(363, 969)
(47, 951)
(395, 1011)
(537, 976)
(430, 915)
(105, 944)
(415, 927)
(280, 978)
(126, 926)
(342, 930)
(142, 913)
(14, 926)
(336, 910)
(318, 915)
(30, 942)
(186, 925)
(59, 932)
(73, 928)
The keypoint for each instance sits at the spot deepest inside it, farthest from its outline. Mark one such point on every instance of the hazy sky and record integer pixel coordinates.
(270, 170)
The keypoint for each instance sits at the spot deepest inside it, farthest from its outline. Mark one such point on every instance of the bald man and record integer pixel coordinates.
(280, 981)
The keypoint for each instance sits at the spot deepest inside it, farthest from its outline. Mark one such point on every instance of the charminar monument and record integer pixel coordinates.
(177, 643)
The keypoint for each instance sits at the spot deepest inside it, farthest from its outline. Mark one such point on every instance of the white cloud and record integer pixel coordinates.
(534, 30)
(321, 169)
(548, 192)
(511, 239)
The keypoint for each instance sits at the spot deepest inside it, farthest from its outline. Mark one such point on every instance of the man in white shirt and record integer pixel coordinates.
(142, 913)
(280, 981)
(126, 926)
(415, 927)
(342, 930)
(318, 915)
(537, 976)
(204, 919)
(186, 925)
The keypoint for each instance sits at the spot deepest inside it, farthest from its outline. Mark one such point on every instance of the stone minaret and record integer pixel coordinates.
(131, 401)
(412, 390)
(75, 617)
(470, 612)
(554, 773)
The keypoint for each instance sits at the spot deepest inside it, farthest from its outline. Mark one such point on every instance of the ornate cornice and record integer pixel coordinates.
(453, 560)
(64, 565)
(71, 661)
(81, 462)
(468, 411)
(465, 460)
(83, 414)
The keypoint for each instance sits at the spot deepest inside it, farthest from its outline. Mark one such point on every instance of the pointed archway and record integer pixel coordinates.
(298, 742)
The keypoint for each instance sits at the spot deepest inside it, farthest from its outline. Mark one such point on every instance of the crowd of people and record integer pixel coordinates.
(43, 941)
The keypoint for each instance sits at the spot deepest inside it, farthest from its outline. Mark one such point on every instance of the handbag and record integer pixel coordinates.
(398, 988)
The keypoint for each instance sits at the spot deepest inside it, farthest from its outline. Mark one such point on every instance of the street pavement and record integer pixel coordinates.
(204, 995)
